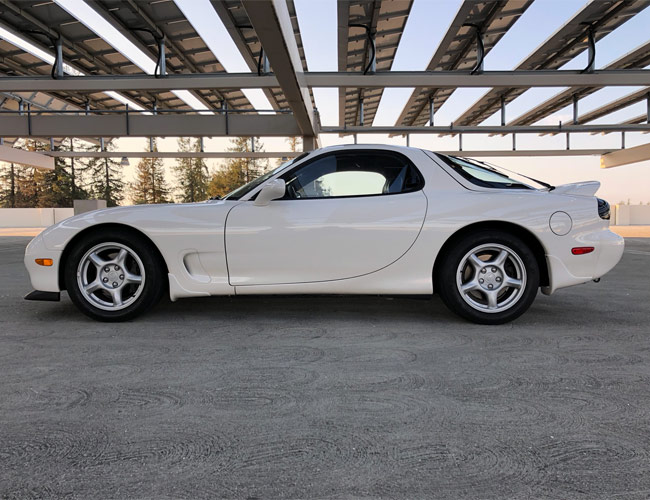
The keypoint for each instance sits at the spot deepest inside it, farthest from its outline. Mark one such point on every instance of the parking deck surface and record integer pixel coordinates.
(328, 397)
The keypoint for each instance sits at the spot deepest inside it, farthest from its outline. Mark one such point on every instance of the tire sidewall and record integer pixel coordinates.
(450, 294)
(153, 286)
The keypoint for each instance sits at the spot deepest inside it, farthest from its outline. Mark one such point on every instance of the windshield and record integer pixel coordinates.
(487, 175)
(248, 187)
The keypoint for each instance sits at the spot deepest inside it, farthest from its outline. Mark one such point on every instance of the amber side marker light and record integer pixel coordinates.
(581, 250)
(44, 262)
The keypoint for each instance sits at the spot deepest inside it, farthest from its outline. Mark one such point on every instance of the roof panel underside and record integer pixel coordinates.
(386, 19)
(458, 49)
(565, 44)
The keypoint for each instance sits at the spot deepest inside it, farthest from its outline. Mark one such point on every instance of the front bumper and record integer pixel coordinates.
(43, 278)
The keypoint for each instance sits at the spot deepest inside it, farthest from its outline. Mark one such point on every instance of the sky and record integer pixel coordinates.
(426, 25)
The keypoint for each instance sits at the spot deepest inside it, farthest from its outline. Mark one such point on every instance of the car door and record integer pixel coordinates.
(344, 214)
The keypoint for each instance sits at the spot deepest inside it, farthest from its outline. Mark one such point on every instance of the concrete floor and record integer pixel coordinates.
(328, 397)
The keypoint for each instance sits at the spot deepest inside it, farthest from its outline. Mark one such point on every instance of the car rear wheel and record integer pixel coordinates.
(489, 277)
(114, 276)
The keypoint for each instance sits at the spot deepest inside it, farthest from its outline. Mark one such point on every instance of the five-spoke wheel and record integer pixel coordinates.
(491, 278)
(488, 277)
(111, 276)
(114, 275)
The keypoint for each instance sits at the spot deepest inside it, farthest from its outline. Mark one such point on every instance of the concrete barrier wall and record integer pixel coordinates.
(33, 217)
(630, 215)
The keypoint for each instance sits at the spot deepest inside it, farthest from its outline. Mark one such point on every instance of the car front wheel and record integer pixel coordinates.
(113, 276)
(489, 277)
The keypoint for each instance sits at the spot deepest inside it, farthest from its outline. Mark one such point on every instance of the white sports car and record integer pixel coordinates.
(339, 220)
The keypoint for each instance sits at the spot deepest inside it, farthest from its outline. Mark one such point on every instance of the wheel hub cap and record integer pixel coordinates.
(490, 278)
(112, 276)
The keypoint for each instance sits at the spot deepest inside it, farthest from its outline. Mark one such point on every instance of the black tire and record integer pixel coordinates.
(153, 275)
(474, 305)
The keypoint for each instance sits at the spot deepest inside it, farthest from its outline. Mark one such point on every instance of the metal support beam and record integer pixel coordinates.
(575, 109)
(28, 158)
(309, 143)
(485, 129)
(431, 111)
(169, 154)
(361, 111)
(625, 156)
(292, 154)
(342, 19)
(505, 79)
(140, 125)
(272, 23)
(298, 83)
(503, 111)
(237, 36)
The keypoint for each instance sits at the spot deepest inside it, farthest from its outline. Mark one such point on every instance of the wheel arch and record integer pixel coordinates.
(521, 232)
(101, 228)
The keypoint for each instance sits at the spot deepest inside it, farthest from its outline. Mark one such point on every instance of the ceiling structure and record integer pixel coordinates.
(107, 68)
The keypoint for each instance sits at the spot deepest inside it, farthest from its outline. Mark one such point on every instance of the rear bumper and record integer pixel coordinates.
(43, 278)
(568, 270)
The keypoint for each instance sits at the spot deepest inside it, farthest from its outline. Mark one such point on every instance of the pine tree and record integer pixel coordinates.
(8, 193)
(23, 187)
(29, 186)
(78, 170)
(150, 185)
(238, 171)
(105, 175)
(192, 173)
(294, 142)
(57, 186)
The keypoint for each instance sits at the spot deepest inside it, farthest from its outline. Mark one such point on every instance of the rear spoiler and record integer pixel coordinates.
(587, 188)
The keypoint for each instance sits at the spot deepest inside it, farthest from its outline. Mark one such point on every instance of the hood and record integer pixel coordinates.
(587, 188)
(115, 214)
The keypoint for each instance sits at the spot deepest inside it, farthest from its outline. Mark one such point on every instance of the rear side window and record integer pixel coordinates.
(482, 175)
(357, 173)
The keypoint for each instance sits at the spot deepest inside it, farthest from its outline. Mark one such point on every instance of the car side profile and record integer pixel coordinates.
(374, 219)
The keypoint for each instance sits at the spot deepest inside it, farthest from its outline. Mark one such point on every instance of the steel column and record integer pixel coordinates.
(272, 23)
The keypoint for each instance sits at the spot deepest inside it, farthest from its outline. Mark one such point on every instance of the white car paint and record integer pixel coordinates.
(368, 244)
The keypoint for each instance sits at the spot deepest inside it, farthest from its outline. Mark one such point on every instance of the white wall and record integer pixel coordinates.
(630, 215)
(33, 217)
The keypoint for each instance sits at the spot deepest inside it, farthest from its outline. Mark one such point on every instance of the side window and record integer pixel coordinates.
(353, 174)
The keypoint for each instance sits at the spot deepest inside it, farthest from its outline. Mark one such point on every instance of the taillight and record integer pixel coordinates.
(603, 209)
(581, 250)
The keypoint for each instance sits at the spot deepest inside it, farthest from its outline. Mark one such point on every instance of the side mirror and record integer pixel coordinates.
(272, 190)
